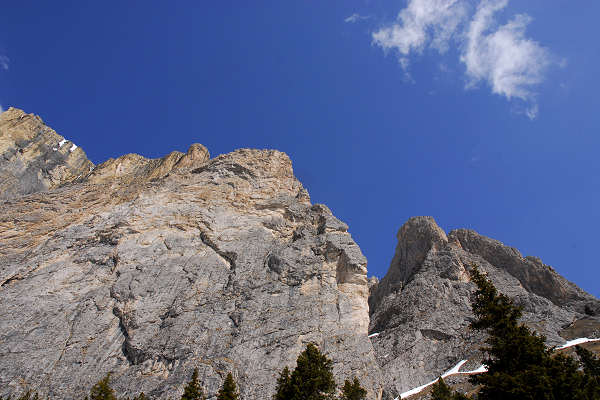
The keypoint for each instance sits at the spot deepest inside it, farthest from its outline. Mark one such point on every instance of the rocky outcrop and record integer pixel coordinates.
(422, 307)
(150, 268)
(133, 168)
(35, 158)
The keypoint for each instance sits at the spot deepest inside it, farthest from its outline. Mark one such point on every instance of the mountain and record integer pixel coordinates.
(34, 157)
(149, 268)
(421, 309)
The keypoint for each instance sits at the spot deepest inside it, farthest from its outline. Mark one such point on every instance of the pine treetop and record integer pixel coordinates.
(353, 390)
(312, 378)
(441, 391)
(193, 390)
(102, 390)
(229, 389)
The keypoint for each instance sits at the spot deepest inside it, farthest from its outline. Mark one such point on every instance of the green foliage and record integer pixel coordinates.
(441, 391)
(312, 378)
(591, 369)
(229, 389)
(353, 391)
(283, 385)
(193, 390)
(520, 367)
(590, 363)
(102, 390)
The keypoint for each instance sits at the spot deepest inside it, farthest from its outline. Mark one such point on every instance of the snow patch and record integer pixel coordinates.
(62, 142)
(575, 342)
(72, 148)
(452, 371)
(374, 334)
(480, 370)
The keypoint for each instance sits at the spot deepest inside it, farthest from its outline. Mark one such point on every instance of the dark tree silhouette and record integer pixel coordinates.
(312, 378)
(229, 389)
(193, 390)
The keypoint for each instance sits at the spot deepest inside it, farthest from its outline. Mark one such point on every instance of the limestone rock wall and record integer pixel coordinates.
(150, 268)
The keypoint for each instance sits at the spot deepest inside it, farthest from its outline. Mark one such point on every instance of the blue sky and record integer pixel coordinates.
(481, 113)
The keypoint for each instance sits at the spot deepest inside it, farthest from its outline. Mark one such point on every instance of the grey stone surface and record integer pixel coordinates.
(422, 307)
(35, 158)
(150, 268)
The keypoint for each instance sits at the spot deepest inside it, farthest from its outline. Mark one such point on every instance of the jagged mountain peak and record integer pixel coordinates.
(416, 238)
(136, 168)
(421, 309)
(34, 158)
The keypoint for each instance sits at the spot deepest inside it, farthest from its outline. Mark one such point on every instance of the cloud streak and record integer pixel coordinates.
(500, 56)
(4, 61)
(355, 18)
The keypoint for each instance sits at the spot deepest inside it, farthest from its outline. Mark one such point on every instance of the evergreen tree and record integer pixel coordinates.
(591, 369)
(353, 391)
(312, 378)
(520, 367)
(283, 385)
(193, 390)
(102, 390)
(590, 363)
(229, 389)
(441, 391)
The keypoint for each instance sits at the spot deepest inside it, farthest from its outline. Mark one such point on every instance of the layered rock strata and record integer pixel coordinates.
(150, 268)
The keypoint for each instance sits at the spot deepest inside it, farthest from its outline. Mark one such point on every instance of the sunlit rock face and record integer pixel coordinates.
(34, 158)
(422, 307)
(150, 268)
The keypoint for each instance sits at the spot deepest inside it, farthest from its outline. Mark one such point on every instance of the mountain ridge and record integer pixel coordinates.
(148, 268)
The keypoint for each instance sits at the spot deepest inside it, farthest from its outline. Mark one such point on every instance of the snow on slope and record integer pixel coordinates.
(452, 371)
(456, 369)
(575, 342)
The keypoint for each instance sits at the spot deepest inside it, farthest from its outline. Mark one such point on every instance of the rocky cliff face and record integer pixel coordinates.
(422, 307)
(150, 268)
(35, 158)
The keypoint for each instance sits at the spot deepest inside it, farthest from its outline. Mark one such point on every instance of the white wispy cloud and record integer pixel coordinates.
(421, 24)
(510, 63)
(355, 18)
(3, 65)
(500, 56)
(4, 62)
